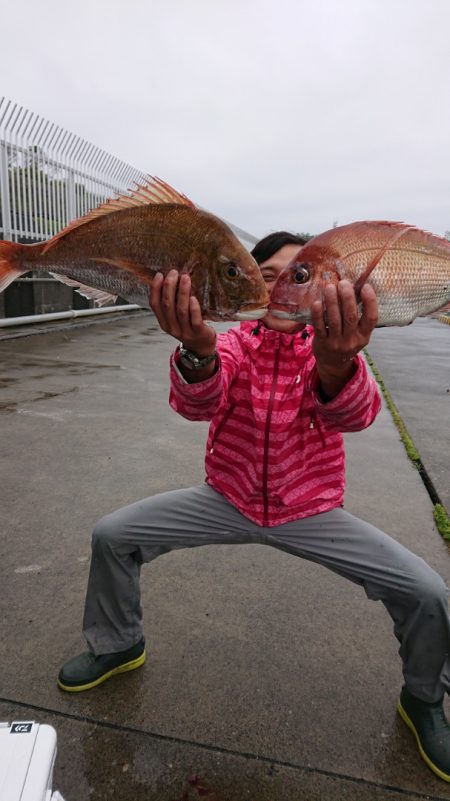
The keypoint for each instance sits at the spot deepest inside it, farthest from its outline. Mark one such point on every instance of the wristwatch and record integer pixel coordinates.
(193, 362)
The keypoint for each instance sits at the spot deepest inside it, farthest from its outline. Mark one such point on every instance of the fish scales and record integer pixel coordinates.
(149, 238)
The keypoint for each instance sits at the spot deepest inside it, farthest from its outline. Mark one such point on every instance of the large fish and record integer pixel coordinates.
(409, 270)
(116, 249)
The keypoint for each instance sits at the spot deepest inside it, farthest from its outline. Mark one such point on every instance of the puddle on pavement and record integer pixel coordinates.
(12, 406)
(150, 332)
(6, 382)
(40, 370)
(8, 406)
(69, 365)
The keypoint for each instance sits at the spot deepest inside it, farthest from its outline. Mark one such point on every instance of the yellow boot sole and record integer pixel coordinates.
(135, 663)
(404, 715)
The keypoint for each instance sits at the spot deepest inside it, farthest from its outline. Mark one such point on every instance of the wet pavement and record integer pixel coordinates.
(415, 365)
(267, 677)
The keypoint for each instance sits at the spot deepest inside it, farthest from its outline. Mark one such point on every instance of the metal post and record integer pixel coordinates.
(4, 192)
(71, 201)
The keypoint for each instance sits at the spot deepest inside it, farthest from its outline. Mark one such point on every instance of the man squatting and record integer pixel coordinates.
(279, 396)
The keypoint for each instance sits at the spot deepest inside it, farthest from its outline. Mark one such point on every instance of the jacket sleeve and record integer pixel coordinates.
(200, 401)
(357, 404)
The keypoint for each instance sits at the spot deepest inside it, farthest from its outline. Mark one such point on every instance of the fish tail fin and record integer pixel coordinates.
(11, 265)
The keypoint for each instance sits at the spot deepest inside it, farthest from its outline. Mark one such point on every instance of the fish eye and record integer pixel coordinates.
(231, 271)
(300, 273)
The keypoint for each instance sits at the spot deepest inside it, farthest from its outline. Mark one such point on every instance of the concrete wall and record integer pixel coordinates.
(39, 296)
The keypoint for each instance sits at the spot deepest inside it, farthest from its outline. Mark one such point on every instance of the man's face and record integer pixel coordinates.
(270, 270)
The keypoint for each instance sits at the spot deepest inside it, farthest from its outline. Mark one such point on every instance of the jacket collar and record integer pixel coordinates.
(254, 333)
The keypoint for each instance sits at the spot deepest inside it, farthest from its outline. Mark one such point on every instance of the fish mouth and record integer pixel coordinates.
(290, 313)
(250, 314)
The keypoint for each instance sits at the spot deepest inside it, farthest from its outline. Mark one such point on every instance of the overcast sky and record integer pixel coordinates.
(272, 114)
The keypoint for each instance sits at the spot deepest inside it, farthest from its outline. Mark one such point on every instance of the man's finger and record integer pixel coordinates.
(155, 290)
(318, 319)
(156, 299)
(168, 297)
(369, 317)
(197, 321)
(349, 309)
(182, 300)
(332, 311)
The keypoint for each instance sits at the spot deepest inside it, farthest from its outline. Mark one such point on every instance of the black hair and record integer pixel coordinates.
(269, 245)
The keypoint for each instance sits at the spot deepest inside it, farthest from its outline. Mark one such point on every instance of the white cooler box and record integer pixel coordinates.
(27, 757)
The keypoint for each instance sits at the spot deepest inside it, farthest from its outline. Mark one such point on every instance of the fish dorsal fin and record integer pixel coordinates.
(99, 297)
(378, 256)
(154, 192)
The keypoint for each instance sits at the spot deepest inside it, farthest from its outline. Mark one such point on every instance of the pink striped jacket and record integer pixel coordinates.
(274, 450)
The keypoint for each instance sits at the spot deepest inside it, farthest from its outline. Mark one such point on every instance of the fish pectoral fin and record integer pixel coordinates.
(122, 264)
(99, 297)
(142, 271)
(154, 192)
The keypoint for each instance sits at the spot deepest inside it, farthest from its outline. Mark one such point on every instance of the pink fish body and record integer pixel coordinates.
(409, 270)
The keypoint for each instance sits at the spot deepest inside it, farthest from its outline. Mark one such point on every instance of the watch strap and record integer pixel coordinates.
(192, 361)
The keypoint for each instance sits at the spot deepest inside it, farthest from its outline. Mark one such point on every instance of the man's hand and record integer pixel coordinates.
(179, 315)
(338, 333)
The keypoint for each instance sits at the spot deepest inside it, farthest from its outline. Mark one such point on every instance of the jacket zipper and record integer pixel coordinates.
(267, 432)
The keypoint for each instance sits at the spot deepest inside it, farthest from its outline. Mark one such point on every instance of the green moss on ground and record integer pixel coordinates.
(442, 521)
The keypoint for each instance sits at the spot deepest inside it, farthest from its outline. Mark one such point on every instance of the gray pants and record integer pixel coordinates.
(413, 594)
